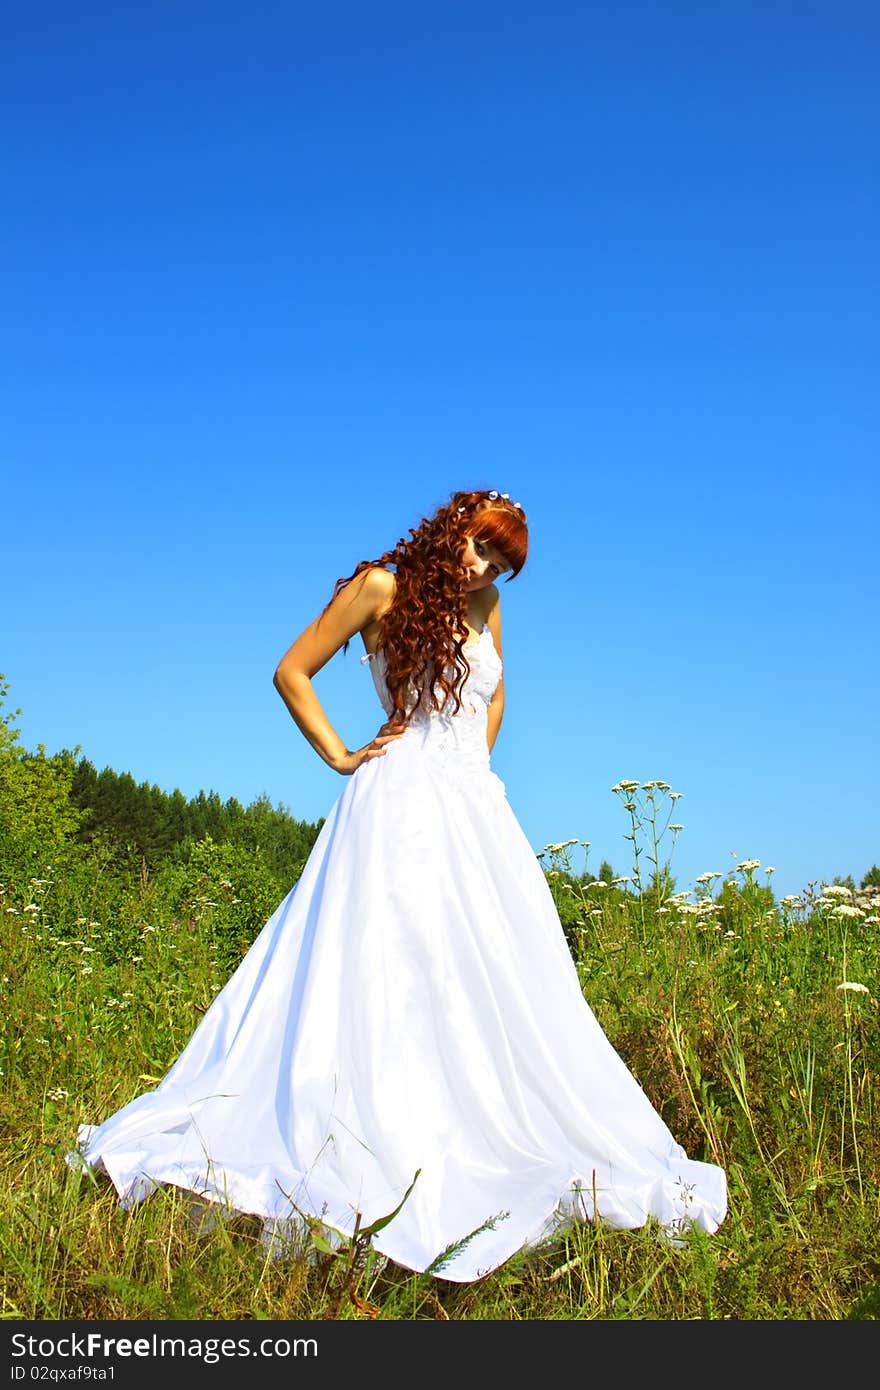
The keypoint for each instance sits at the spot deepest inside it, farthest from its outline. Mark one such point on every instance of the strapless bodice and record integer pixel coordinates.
(455, 739)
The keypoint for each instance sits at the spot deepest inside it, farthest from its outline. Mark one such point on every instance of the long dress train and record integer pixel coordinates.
(410, 1007)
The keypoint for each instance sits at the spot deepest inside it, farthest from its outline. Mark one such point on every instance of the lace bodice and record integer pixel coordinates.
(454, 742)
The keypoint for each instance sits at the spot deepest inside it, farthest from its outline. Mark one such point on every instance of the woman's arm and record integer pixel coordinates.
(367, 596)
(496, 704)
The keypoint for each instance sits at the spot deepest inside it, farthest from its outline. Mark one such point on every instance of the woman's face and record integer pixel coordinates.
(483, 563)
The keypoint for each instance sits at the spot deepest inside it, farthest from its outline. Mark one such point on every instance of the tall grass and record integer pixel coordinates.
(751, 1024)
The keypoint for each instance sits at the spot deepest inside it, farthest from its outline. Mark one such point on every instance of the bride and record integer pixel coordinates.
(407, 1034)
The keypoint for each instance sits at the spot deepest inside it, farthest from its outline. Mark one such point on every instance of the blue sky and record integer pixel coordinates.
(278, 278)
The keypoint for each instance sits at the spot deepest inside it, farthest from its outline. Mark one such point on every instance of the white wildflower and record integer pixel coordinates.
(853, 987)
(845, 910)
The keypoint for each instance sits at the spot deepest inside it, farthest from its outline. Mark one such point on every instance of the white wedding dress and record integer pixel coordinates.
(412, 1007)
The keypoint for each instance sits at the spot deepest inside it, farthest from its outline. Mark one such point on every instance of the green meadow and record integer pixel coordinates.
(751, 1023)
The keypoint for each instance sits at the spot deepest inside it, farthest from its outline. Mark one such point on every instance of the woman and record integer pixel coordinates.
(408, 1030)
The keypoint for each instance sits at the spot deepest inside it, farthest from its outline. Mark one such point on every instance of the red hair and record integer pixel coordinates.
(426, 626)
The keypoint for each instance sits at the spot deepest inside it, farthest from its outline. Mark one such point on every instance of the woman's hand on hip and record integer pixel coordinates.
(376, 748)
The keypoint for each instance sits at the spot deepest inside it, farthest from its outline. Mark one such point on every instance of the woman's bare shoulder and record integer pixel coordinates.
(377, 583)
(493, 614)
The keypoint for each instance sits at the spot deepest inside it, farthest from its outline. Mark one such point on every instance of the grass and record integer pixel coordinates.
(751, 1024)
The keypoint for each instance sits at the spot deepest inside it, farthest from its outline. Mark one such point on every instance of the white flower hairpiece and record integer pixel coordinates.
(493, 495)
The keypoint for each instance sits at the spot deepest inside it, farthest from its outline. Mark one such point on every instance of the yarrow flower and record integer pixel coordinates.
(854, 987)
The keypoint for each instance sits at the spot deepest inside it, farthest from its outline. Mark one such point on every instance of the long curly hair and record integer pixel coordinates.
(426, 628)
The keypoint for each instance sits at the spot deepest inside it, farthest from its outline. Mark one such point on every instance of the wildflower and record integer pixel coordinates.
(135, 959)
(625, 787)
(87, 970)
(747, 864)
(838, 890)
(674, 796)
(676, 827)
(770, 869)
(853, 987)
(58, 1093)
(845, 910)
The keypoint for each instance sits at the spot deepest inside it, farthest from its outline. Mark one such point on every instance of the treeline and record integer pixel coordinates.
(143, 823)
(57, 808)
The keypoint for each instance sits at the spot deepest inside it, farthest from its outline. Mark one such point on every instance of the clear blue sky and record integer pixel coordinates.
(280, 277)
